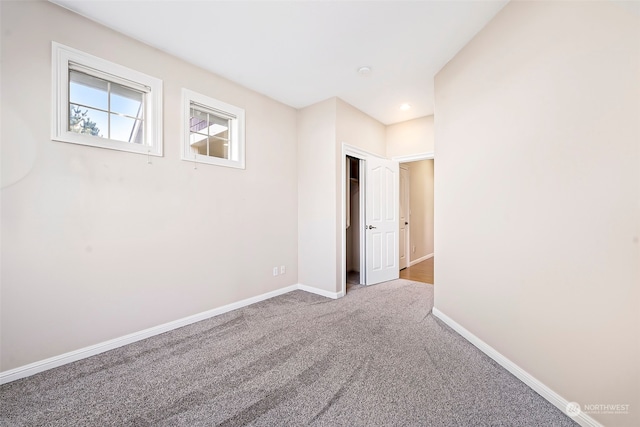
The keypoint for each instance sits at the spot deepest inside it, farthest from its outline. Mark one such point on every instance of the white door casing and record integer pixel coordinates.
(403, 246)
(381, 216)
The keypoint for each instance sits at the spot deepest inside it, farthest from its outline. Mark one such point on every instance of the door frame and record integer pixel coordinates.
(407, 232)
(358, 153)
(430, 155)
(361, 216)
(414, 157)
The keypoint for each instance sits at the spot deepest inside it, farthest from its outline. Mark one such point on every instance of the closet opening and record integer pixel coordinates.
(354, 236)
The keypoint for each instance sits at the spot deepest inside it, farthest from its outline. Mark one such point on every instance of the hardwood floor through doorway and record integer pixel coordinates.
(420, 272)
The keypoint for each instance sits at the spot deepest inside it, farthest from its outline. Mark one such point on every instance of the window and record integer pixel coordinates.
(213, 131)
(102, 104)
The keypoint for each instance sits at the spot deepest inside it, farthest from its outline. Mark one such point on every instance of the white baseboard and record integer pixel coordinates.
(83, 353)
(318, 291)
(72, 356)
(539, 387)
(419, 260)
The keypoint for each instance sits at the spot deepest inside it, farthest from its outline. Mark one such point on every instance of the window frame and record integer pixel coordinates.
(65, 58)
(236, 117)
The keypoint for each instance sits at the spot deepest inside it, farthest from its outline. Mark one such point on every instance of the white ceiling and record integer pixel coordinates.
(302, 52)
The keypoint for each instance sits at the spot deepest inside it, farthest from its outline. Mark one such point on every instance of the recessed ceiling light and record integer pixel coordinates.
(364, 70)
(405, 107)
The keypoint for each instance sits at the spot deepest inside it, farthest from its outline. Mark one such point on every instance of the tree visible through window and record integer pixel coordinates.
(102, 104)
(79, 122)
(99, 104)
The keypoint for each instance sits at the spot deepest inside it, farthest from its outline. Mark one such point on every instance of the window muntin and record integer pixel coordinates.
(103, 104)
(209, 133)
(213, 131)
(105, 109)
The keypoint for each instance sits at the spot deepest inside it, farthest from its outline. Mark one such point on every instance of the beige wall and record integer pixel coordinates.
(322, 128)
(410, 137)
(355, 128)
(96, 244)
(317, 219)
(421, 206)
(537, 188)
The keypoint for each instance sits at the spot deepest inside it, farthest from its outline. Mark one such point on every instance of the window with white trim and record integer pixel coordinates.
(213, 131)
(103, 104)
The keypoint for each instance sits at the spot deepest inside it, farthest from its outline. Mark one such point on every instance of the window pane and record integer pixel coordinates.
(207, 123)
(126, 101)
(87, 90)
(209, 134)
(126, 129)
(198, 140)
(197, 121)
(88, 121)
(218, 148)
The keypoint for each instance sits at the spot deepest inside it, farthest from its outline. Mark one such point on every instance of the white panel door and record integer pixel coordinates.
(381, 216)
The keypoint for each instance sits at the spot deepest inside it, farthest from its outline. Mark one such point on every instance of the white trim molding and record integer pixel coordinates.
(414, 157)
(83, 353)
(64, 59)
(547, 393)
(358, 153)
(235, 117)
(419, 260)
(321, 292)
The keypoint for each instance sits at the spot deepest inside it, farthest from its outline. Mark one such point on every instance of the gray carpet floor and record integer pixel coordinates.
(376, 357)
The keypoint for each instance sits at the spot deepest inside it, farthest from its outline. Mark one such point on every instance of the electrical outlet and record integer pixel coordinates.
(413, 249)
(282, 269)
(275, 271)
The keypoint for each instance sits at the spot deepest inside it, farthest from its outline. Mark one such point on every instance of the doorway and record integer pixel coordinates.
(405, 241)
(376, 240)
(416, 196)
(354, 215)
(420, 272)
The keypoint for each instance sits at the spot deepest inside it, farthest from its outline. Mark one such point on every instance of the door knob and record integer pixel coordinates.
(371, 226)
